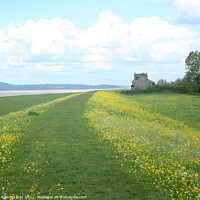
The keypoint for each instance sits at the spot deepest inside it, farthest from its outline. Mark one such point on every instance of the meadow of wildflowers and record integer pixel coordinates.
(163, 149)
(13, 126)
(180, 107)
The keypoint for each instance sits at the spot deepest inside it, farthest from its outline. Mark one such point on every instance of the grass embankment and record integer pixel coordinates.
(58, 155)
(15, 103)
(156, 143)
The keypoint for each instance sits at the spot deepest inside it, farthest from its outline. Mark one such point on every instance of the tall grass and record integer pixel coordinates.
(155, 146)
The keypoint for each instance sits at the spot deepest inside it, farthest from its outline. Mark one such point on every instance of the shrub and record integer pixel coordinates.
(30, 113)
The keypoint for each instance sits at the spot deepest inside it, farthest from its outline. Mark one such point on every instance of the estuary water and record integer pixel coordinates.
(32, 92)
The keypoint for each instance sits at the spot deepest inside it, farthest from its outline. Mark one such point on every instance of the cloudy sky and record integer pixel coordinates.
(96, 41)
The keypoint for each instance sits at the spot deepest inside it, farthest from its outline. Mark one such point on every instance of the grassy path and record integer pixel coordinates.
(60, 156)
(15, 103)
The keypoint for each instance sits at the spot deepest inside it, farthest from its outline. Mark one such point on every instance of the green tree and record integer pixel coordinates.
(178, 81)
(193, 71)
(162, 82)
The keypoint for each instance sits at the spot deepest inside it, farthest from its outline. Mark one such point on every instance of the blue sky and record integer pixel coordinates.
(96, 42)
(83, 13)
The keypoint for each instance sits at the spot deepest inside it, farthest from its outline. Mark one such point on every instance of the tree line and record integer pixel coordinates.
(191, 81)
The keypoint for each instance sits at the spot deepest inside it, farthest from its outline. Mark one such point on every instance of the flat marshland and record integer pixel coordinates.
(100, 145)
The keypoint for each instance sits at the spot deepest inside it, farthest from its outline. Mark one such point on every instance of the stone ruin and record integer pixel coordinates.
(141, 82)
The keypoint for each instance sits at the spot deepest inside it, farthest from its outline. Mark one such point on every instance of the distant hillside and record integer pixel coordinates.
(6, 86)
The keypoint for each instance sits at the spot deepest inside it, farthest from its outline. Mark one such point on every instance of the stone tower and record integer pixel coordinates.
(141, 82)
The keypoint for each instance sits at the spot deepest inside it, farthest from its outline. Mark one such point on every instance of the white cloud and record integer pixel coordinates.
(43, 37)
(97, 54)
(97, 65)
(49, 46)
(189, 10)
(45, 67)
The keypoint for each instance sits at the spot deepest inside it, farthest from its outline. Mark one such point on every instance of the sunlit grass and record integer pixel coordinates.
(16, 103)
(180, 107)
(12, 128)
(59, 155)
(154, 143)
(156, 146)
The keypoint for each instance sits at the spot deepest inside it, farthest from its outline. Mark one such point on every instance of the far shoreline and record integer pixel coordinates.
(9, 93)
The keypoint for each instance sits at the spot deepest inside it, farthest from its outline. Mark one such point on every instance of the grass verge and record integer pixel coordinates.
(16, 103)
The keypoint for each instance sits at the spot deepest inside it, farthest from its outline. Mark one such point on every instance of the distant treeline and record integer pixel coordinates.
(6, 86)
(190, 83)
(178, 86)
(187, 84)
(184, 86)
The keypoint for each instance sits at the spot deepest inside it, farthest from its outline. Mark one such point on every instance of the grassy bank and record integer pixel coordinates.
(15, 103)
(60, 155)
(154, 142)
(181, 107)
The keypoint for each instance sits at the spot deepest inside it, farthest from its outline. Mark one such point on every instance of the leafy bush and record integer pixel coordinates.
(156, 88)
(30, 113)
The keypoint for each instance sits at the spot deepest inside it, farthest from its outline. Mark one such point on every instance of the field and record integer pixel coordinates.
(100, 145)
(15, 103)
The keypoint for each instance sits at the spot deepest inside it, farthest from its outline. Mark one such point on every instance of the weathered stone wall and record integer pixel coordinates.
(141, 82)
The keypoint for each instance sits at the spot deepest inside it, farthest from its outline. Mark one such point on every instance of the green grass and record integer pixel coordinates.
(154, 145)
(15, 103)
(60, 155)
(181, 107)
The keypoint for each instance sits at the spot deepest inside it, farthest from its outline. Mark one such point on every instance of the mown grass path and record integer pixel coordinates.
(59, 155)
(16, 103)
